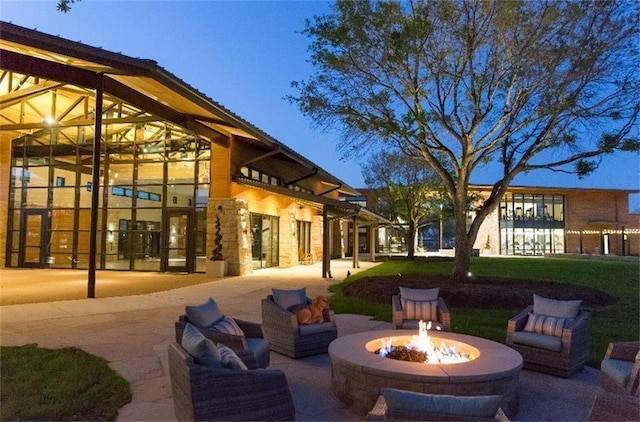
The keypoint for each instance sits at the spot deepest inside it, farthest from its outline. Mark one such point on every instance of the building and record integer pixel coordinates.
(536, 221)
(539, 221)
(155, 180)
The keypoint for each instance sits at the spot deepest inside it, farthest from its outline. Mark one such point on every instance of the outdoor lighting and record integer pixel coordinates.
(49, 121)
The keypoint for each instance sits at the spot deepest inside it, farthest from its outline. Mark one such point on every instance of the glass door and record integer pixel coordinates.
(264, 240)
(33, 239)
(178, 253)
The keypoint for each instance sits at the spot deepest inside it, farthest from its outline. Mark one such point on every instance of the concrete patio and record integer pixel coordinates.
(132, 333)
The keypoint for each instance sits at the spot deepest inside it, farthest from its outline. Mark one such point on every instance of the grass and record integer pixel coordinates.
(616, 322)
(58, 384)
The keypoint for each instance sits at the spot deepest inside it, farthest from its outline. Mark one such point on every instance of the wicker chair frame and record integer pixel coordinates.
(575, 346)
(282, 332)
(201, 393)
(444, 317)
(237, 343)
(628, 351)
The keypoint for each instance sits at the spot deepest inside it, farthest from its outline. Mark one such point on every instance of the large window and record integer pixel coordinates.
(147, 168)
(532, 224)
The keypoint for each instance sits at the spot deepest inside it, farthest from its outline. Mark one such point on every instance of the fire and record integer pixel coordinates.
(436, 354)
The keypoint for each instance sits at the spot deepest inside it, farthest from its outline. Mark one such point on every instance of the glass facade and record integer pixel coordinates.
(532, 224)
(154, 185)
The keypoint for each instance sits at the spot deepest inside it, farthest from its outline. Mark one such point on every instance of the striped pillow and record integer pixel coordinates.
(229, 358)
(426, 310)
(545, 324)
(228, 326)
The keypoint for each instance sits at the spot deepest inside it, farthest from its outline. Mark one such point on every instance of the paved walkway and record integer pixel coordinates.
(132, 334)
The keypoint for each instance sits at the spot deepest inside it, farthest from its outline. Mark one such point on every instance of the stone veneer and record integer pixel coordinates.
(357, 375)
(235, 226)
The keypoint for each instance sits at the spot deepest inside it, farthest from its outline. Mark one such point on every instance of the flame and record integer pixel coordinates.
(422, 342)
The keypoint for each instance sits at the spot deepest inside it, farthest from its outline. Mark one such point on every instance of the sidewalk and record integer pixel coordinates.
(132, 333)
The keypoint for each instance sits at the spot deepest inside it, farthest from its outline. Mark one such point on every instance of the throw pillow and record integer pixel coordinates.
(227, 326)
(545, 324)
(289, 298)
(229, 358)
(203, 350)
(204, 315)
(426, 310)
(557, 308)
(468, 406)
(419, 294)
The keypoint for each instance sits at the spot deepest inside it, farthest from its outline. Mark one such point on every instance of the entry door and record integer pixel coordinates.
(33, 239)
(179, 255)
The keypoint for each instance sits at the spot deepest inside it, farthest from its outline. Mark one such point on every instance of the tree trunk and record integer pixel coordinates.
(462, 257)
(411, 239)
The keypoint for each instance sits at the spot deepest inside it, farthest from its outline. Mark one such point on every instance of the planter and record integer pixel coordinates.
(216, 268)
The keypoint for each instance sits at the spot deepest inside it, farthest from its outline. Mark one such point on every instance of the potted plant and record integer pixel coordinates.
(217, 265)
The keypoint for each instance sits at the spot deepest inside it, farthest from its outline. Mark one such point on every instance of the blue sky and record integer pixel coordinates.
(244, 55)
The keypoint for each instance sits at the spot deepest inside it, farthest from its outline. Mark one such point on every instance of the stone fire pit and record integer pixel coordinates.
(357, 374)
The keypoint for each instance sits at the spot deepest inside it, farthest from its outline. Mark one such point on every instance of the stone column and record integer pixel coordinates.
(288, 240)
(235, 231)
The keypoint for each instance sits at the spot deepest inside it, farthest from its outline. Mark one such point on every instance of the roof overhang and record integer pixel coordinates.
(336, 209)
(35, 53)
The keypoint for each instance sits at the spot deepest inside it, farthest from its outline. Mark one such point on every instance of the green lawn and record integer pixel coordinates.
(58, 384)
(619, 278)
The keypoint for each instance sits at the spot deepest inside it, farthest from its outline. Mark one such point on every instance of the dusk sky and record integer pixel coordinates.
(244, 55)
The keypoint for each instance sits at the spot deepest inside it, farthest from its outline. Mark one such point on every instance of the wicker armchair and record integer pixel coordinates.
(443, 316)
(201, 393)
(608, 406)
(253, 349)
(286, 336)
(620, 368)
(568, 360)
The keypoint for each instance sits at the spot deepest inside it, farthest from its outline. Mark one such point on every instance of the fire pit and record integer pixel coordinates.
(358, 373)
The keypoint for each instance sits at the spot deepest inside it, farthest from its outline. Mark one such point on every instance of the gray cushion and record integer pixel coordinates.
(229, 358)
(474, 406)
(540, 341)
(419, 294)
(203, 350)
(557, 308)
(227, 326)
(426, 310)
(259, 346)
(545, 324)
(288, 298)
(204, 315)
(619, 370)
(309, 329)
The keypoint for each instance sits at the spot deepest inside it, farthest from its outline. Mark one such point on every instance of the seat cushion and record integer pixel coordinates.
(619, 370)
(419, 294)
(310, 329)
(426, 310)
(468, 406)
(545, 324)
(204, 315)
(541, 341)
(203, 350)
(556, 308)
(289, 298)
(259, 346)
(227, 326)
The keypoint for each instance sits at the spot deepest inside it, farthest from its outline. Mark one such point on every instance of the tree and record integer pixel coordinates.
(466, 84)
(408, 191)
(65, 5)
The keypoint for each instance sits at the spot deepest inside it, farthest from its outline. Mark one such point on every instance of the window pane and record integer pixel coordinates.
(150, 173)
(64, 197)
